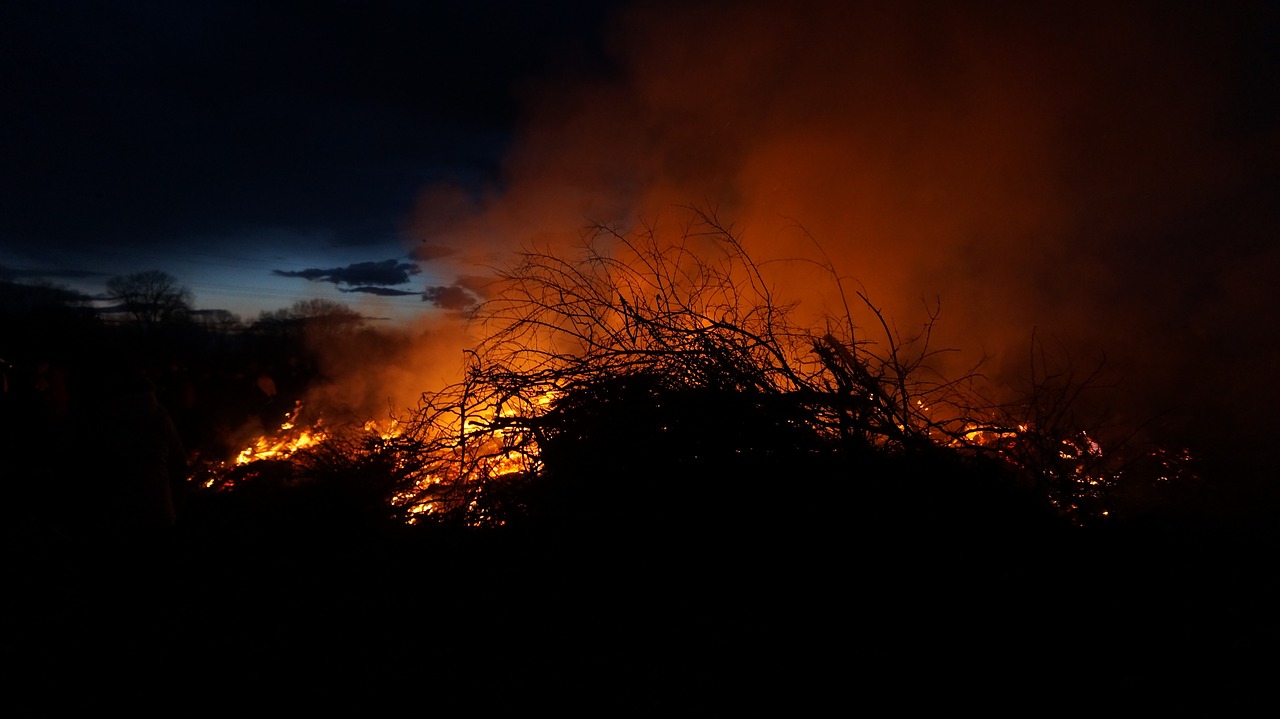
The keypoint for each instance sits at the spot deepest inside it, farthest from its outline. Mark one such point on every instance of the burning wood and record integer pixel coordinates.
(283, 443)
(642, 348)
(436, 463)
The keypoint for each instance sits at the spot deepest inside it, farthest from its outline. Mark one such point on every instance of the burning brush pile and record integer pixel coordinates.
(658, 383)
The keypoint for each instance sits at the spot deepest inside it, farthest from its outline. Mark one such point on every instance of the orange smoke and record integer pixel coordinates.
(1036, 169)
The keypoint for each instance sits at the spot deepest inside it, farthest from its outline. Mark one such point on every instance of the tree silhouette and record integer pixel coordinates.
(674, 366)
(151, 297)
(316, 317)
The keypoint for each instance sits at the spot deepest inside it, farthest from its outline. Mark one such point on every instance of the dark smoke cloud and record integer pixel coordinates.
(379, 291)
(450, 297)
(427, 252)
(386, 272)
(1096, 176)
(19, 297)
(68, 274)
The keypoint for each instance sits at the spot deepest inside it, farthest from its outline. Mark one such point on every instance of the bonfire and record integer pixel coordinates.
(575, 346)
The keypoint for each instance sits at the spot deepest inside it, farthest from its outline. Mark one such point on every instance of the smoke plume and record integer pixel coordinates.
(1091, 176)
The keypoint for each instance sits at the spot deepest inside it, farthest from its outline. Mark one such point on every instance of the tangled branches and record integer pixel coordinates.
(639, 345)
(643, 371)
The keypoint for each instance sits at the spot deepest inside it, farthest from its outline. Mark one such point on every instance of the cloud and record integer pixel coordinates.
(386, 272)
(450, 297)
(380, 291)
(22, 296)
(48, 273)
(427, 251)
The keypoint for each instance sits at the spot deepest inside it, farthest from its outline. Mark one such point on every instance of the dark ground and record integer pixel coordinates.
(803, 597)
(220, 618)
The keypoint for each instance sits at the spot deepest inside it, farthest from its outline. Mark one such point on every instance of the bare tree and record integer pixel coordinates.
(317, 317)
(223, 321)
(669, 328)
(151, 297)
(640, 355)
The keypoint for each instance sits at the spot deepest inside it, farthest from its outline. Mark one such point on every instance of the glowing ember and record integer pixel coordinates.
(285, 443)
(439, 467)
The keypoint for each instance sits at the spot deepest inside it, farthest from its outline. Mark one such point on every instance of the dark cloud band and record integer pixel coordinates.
(360, 274)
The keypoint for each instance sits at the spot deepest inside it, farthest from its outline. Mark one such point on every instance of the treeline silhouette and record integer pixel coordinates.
(651, 487)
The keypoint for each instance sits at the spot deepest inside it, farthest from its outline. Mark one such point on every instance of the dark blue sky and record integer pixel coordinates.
(223, 141)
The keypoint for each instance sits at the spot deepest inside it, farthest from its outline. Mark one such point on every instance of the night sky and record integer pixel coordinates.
(260, 152)
(1100, 177)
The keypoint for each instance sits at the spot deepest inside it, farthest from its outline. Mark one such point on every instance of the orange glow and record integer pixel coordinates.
(284, 443)
(476, 453)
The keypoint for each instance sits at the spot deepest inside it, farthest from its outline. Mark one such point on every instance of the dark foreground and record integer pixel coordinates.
(219, 619)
